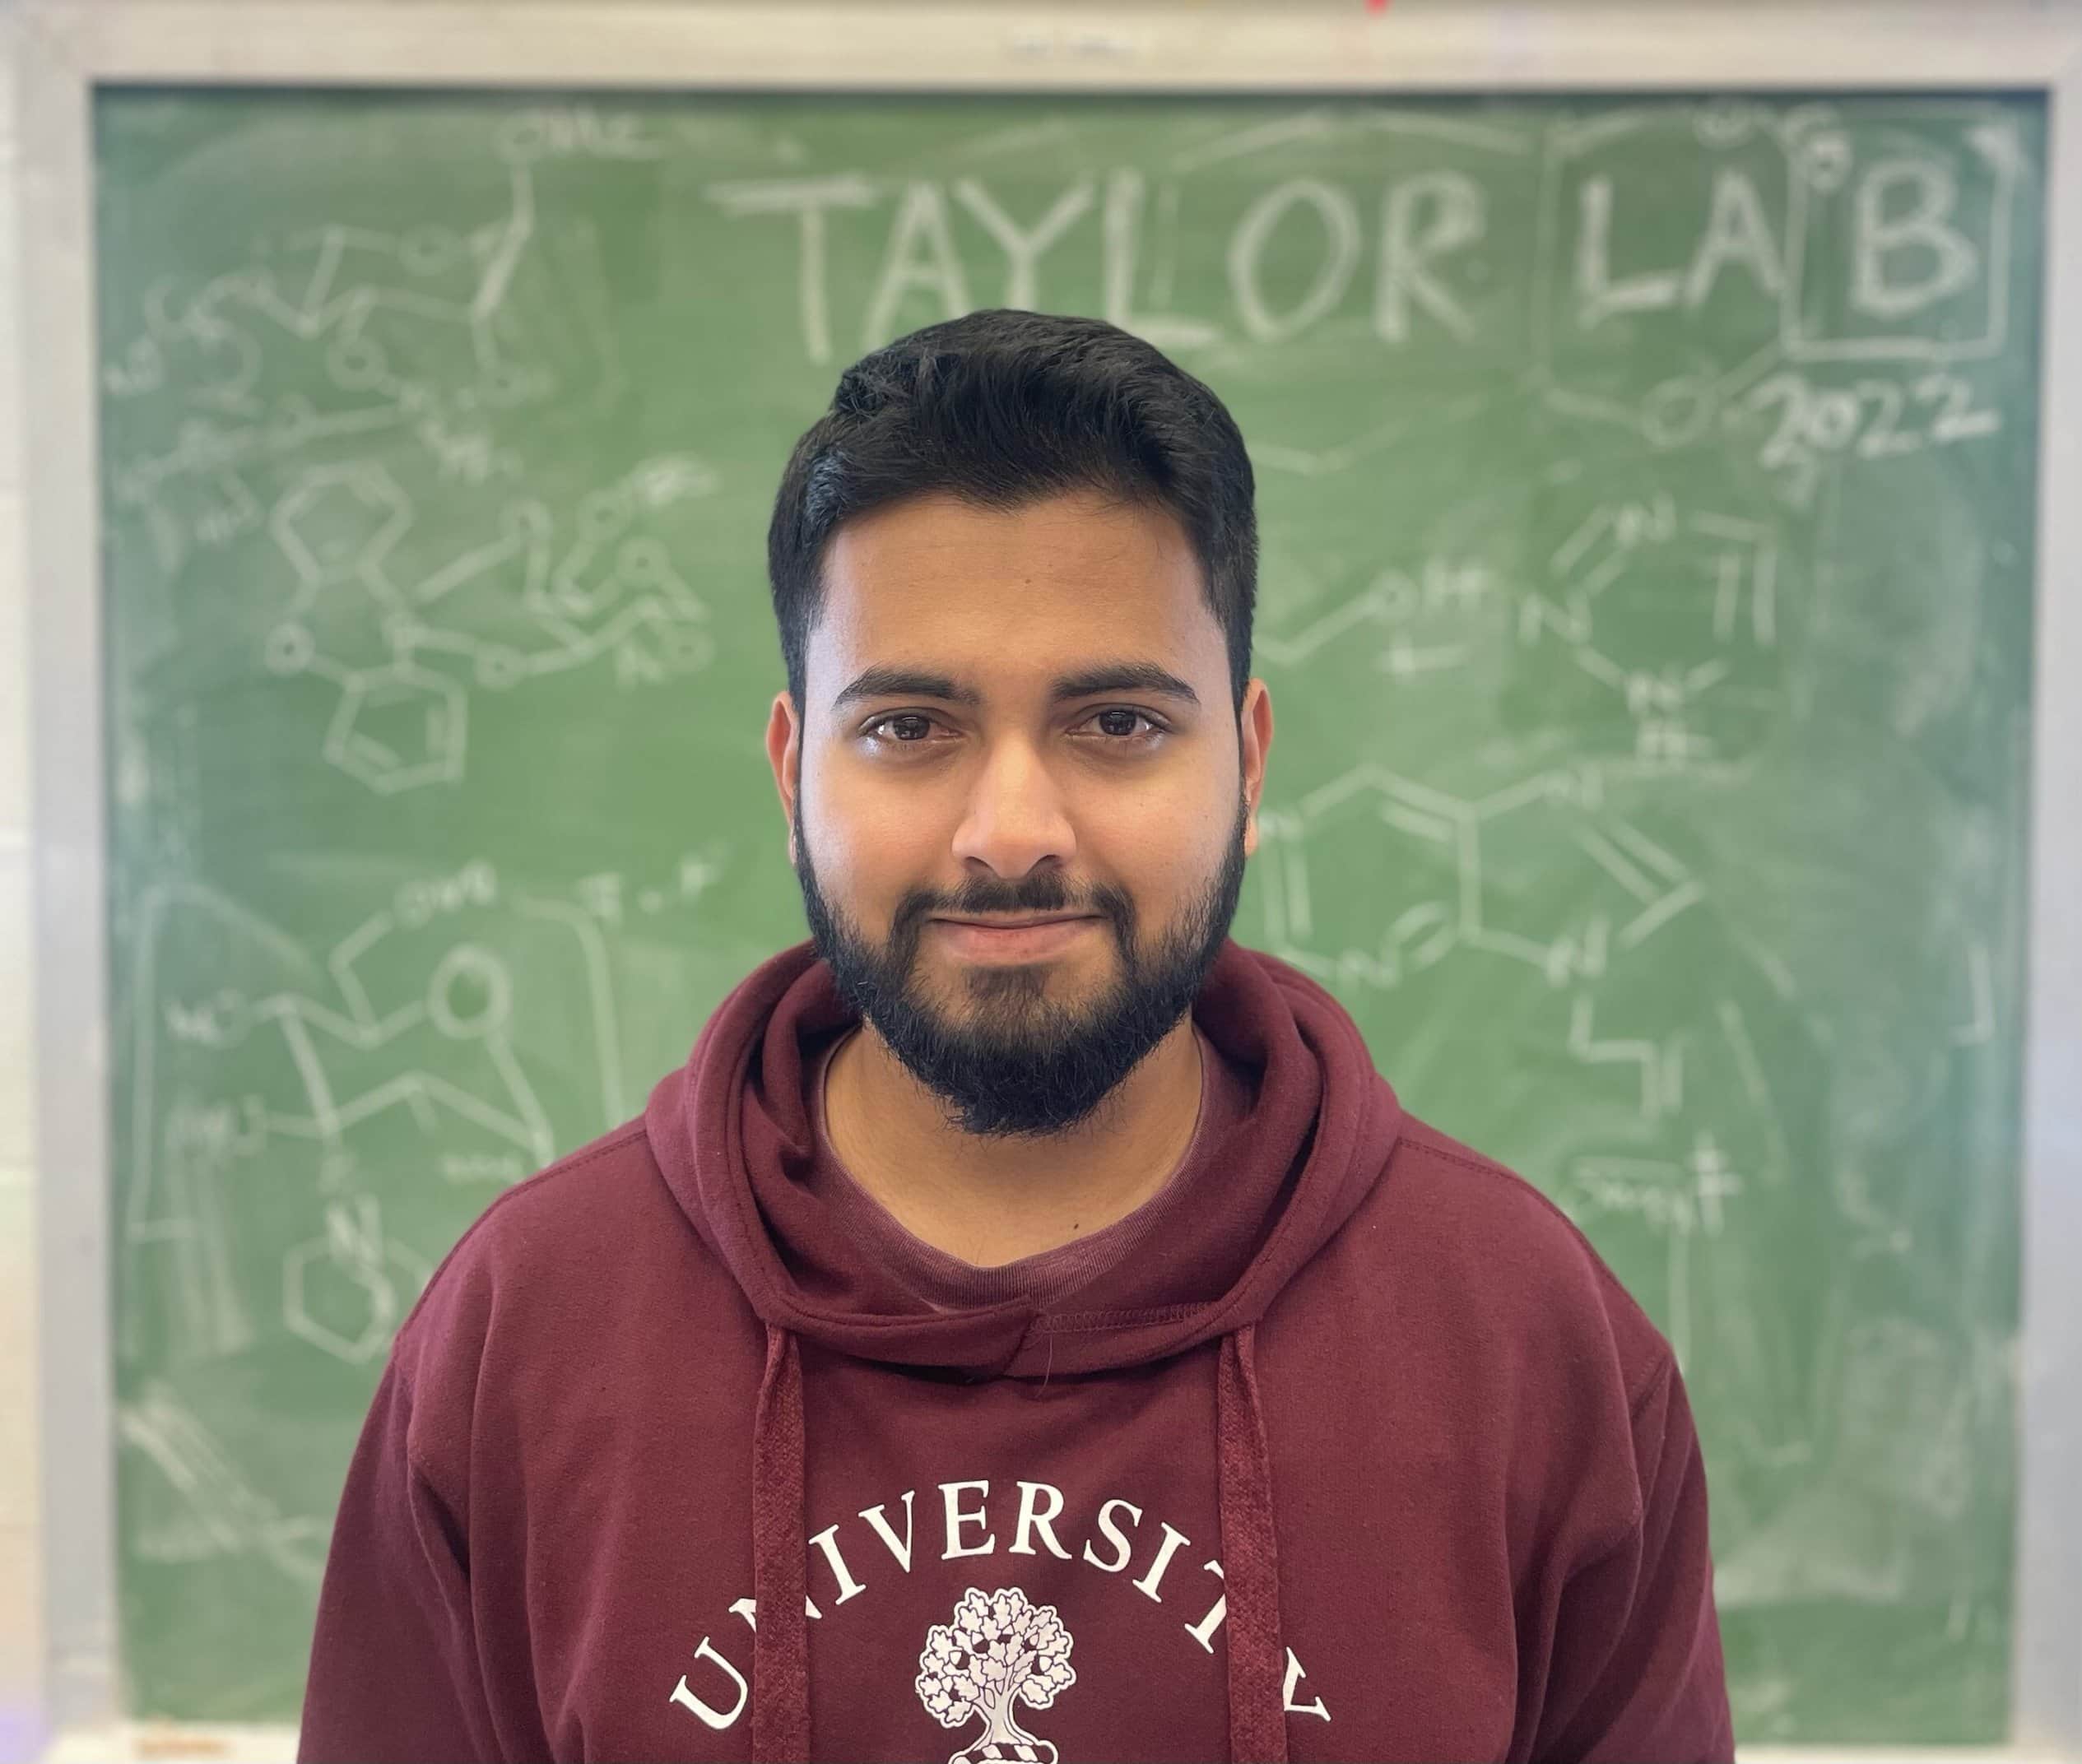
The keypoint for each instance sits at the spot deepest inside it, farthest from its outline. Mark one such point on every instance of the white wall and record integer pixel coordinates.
(21, 1568)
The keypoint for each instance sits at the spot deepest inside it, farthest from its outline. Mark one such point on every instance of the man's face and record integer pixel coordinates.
(961, 757)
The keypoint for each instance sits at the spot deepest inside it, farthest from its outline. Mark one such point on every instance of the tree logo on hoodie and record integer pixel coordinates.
(999, 1651)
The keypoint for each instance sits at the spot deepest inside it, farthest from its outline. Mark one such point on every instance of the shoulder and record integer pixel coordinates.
(1460, 1245)
(1519, 1347)
(578, 1241)
(558, 1307)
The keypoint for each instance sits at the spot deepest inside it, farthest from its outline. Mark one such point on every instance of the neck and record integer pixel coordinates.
(988, 1200)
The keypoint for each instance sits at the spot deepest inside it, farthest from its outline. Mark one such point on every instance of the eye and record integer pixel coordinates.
(899, 728)
(1117, 728)
(1133, 717)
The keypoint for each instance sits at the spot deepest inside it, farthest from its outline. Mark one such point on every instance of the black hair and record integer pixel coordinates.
(1002, 408)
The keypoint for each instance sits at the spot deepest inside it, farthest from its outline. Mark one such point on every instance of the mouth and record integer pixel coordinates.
(1013, 940)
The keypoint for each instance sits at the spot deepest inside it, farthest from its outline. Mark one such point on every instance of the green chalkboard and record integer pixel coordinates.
(1647, 493)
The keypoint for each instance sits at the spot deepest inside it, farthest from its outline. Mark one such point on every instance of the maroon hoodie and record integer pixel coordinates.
(1345, 1446)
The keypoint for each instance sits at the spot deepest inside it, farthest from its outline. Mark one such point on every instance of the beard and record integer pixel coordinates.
(1022, 1065)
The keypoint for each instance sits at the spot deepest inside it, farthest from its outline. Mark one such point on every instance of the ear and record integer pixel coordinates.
(784, 754)
(1254, 730)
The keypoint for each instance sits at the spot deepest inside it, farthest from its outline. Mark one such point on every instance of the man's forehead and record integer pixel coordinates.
(936, 584)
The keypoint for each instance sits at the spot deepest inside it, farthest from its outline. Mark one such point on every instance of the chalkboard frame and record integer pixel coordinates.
(70, 48)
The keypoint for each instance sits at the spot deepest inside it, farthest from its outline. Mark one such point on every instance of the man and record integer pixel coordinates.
(1028, 1327)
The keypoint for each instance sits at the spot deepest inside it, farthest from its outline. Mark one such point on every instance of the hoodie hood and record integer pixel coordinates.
(732, 1134)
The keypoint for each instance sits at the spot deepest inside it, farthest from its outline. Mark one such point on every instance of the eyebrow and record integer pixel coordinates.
(1087, 683)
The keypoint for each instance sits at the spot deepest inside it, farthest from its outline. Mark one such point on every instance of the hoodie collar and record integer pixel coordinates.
(732, 1132)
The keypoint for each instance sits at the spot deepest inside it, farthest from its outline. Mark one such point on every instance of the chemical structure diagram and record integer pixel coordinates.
(281, 401)
(336, 336)
(1425, 849)
(1675, 615)
(1671, 619)
(248, 1050)
(510, 610)
(1660, 613)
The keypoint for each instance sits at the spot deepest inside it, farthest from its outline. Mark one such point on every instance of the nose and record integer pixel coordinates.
(1016, 817)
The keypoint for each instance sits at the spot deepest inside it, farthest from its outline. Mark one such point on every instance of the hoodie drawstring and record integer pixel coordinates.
(780, 1593)
(1257, 1722)
(1257, 1719)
